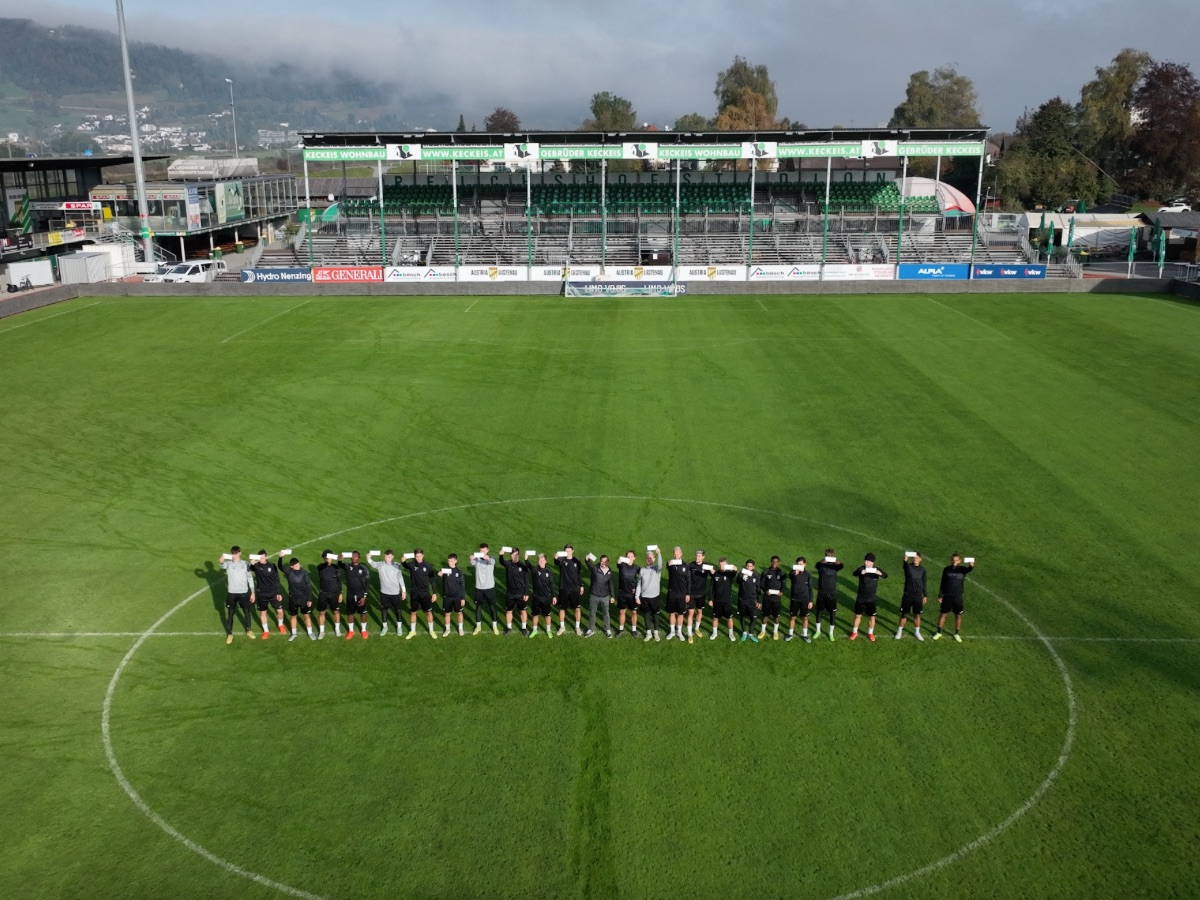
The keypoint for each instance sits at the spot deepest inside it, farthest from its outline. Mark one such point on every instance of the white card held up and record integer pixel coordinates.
(870, 570)
(831, 559)
(796, 568)
(706, 567)
(746, 573)
(226, 556)
(591, 557)
(443, 571)
(651, 547)
(530, 553)
(776, 593)
(909, 554)
(347, 555)
(331, 556)
(286, 552)
(970, 560)
(674, 562)
(506, 549)
(371, 553)
(410, 556)
(560, 554)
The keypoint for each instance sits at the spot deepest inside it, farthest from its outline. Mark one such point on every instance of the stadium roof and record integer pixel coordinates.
(475, 139)
(1186, 220)
(42, 163)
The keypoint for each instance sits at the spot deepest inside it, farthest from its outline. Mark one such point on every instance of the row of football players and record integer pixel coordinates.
(636, 591)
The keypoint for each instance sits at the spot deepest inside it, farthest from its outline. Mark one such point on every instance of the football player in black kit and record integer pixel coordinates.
(454, 593)
(541, 593)
(950, 593)
(722, 596)
(267, 591)
(915, 594)
(329, 593)
(866, 601)
(827, 570)
(421, 573)
(358, 585)
(771, 582)
(801, 580)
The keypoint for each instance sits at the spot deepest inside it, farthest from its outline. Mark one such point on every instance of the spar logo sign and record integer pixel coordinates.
(1008, 272)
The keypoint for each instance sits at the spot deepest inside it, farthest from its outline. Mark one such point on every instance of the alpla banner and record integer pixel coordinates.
(276, 276)
(785, 273)
(564, 273)
(639, 273)
(711, 273)
(933, 271)
(493, 273)
(1010, 271)
(347, 274)
(419, 273)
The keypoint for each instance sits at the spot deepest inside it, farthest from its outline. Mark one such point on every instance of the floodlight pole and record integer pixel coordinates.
(750, 250)
(139, 171)
(233, 112)
(382, 227)
(454, 200)
(825, 220)
(308, 206)
(675, 252)
(900, 234)
(529, 212)
(603, 210)
(975, 221)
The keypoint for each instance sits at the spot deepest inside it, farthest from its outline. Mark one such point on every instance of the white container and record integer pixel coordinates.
(39, 272)
(122, 259)
(83, 268)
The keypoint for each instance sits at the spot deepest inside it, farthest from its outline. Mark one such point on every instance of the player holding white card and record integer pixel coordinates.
(698, 572)
(827, 576)
(679, 586)
(627, 585)
(239, 590)
(866, 601)
(950, 593)
(772, 591)
(914, 597)
(570, 588)
(648, 589)
(454, 593)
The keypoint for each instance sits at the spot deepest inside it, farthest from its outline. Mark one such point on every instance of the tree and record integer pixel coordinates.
(610, 113)
(691, 122)
(502, 120)
(1107, 124)
(462, 125)
(740, 77)
(1042, 167)
(942, 100)
(748, 111)
(1167, 142)
(74, 142)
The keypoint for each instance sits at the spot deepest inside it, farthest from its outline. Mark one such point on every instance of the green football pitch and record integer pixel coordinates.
(1050, 754)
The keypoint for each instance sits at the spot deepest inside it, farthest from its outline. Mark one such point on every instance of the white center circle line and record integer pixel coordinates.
(951, 858)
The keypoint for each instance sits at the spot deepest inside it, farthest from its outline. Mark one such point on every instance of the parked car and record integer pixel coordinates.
(1175, 205)
(196, 271)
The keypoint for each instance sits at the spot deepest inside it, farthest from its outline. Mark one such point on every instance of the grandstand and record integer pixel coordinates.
(566, 206)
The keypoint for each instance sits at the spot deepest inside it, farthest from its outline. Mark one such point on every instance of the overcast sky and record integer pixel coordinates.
(834, 63)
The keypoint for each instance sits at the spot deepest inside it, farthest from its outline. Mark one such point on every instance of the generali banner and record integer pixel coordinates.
(347, 274)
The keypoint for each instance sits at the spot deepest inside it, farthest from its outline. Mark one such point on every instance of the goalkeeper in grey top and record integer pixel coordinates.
(239, 590)
(648, 589)
(391, 589)
(485, 587)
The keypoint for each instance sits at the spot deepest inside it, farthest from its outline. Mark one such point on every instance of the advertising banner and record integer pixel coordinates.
(623, 289)
(276, 276)
(759, 150)
(193, 207)
(418, 273)
(403, 152)
(473, 154)
(639, 273)
(493, 273)
(934, 271)
(235, 207)
(711, 273)
(872, 272)
(564, 273)
(953, 148)
(521, 153)
(639, 151)
(345, 154)
(819, 151)
(579, 151)
(872, 149)
(346, 274)
(785, 273)
(700, 151)
(1020, 270)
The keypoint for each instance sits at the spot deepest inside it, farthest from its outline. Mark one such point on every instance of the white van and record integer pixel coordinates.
(193, 272)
